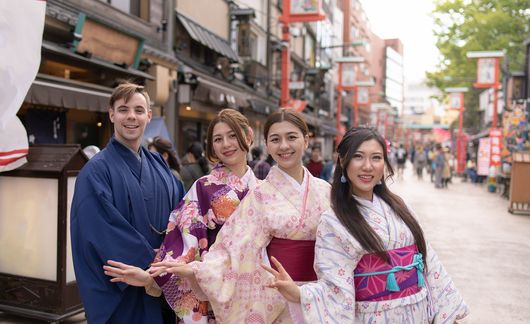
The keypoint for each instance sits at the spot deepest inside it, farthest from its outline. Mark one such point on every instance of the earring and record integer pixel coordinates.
(343, 179)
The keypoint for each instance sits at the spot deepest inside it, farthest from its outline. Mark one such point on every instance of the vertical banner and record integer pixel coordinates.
(483, 156)
(495, 135)
(348, 75)
(21, 26)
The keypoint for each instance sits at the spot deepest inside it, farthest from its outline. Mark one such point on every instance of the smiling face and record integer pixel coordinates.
(129, 119)
(226, 146)
(366, 168)
(286, 144)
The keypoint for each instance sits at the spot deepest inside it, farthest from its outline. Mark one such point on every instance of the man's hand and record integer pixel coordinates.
(131, 275)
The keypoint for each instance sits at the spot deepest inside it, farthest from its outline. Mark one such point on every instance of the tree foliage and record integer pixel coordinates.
(477, 25)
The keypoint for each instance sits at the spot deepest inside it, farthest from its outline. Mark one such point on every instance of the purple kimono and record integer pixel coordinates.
(192, 229)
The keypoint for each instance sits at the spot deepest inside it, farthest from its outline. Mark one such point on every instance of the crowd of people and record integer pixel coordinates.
(265, 241)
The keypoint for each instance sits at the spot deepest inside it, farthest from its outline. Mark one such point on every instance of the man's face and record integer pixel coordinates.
(129, 119)
(315, 154)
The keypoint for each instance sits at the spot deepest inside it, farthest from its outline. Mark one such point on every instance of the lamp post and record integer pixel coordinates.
(346, 82)
(356, 101)
(296, 13)
(488, 74)
(457, 102)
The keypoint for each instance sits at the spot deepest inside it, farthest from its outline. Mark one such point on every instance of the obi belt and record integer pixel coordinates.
(375, 279)
(296, 256)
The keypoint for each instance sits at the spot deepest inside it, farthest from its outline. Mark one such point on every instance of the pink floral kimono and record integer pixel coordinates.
(230, 273)
(192, 229)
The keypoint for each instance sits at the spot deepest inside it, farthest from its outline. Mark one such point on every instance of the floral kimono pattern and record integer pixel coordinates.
(231, 275)
(332, 298)
(192, 228)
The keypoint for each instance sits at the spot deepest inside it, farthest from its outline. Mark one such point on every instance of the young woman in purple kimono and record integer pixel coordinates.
(195, 222)
(371, 258)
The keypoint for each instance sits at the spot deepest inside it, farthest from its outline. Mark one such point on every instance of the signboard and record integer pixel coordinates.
(362, 95)
(348, 75)
(304, 7)
(483, 157)
(495, 156)
(486, 71)
(302, 11)
(296, 85)
(456, 100)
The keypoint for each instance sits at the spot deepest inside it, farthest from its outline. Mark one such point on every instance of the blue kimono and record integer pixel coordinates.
(119, 205)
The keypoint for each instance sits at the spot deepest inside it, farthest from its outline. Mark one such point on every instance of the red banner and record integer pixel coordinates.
(495, 156)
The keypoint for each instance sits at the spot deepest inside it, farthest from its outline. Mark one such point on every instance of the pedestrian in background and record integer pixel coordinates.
(401, 158)
(194, 165)
(259, 166)
(165, 149)
(121, 203)
(439, 164)
(315, 164)
(371, 257)
(420, 162)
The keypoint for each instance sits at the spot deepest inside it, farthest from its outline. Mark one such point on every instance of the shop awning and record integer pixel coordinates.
(207, 38)
(312, 120)
(68, 94)
(262, 106)
(218, 94)
(53, 48)
(156, 127)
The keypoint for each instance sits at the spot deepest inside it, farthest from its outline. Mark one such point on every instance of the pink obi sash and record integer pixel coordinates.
(296, 256)
(376, 280)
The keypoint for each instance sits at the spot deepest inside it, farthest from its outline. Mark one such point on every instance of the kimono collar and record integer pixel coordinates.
(374, 205)
(138, 154)
(297, 186)
(248, 180)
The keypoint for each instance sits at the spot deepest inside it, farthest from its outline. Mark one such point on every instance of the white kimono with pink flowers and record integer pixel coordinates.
(332, 298)
(230, 273)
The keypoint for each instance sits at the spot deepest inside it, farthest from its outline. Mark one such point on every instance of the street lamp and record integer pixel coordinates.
(488, 74)
(457, 102)
(296, 13)
(346, 82)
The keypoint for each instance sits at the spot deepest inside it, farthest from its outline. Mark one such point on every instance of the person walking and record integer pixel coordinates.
(259, 166)
(439, 164)
(121, 203)
(194, 165)
(164, 147)
(420, 162)
(315, 164)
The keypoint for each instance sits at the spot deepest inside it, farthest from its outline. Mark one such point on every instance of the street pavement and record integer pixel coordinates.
(485, 249)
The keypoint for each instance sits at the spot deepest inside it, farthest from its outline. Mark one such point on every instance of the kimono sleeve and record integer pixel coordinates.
(446, 302)
(230, 273)
(185, 241)
(332, 298)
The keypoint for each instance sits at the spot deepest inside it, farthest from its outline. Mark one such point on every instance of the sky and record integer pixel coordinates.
(409, 21)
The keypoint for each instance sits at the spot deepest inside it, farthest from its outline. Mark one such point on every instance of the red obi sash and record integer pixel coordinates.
(376, 280)
(296, 256)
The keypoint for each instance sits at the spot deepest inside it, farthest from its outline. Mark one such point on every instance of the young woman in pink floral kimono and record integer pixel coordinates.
(371, 258)
(278, 217)
(195, 222)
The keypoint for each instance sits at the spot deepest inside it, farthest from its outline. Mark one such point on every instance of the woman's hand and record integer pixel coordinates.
(131, 275)
(178, 268)
(283, 282)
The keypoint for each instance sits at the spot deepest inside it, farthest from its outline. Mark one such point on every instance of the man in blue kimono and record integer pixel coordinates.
(122, 201)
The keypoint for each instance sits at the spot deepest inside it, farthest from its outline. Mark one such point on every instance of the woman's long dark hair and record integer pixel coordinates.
(346, 206)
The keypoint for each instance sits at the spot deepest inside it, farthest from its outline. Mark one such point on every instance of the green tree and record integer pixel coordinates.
(477, 25)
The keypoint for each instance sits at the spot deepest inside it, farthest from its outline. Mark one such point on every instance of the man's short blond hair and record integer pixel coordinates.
(125, 91)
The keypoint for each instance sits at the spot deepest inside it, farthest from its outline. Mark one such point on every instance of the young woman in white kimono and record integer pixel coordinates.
(278, 217)
(194, 223)
(372, 261)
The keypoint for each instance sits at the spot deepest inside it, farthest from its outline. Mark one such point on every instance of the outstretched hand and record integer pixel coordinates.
(131, 275)
(283, 282)
(178, 268)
